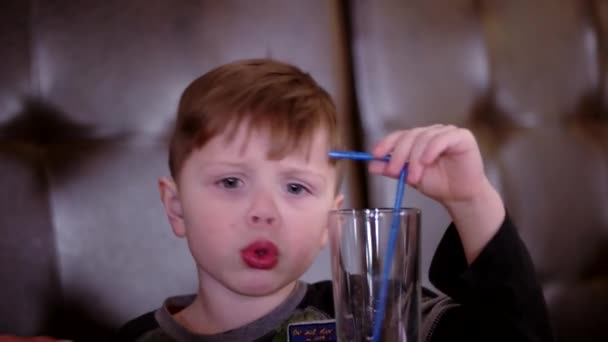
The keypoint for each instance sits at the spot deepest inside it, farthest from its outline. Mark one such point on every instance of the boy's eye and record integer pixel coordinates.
(296, 189)
(230, 182)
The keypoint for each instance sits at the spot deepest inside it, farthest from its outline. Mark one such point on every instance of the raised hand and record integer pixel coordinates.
(445, 164)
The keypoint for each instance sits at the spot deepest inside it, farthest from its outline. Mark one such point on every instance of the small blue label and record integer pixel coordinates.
(312, 331)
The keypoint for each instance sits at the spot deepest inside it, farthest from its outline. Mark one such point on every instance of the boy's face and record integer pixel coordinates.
(253, 225)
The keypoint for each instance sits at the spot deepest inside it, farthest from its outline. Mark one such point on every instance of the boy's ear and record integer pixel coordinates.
(338, 201)
(337, 204)
(169, 195)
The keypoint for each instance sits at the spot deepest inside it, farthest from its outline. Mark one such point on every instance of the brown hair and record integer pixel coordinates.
(263, 92)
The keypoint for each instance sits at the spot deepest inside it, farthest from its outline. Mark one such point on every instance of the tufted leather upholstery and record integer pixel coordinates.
(88, 90)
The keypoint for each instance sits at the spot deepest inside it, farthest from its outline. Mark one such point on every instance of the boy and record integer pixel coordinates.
(251, 189)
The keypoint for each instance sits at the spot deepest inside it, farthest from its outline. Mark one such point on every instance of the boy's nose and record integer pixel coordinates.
(262, 219)
(263, 212)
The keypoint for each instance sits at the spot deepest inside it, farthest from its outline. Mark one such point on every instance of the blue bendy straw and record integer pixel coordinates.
(392, 240)
(364, 156)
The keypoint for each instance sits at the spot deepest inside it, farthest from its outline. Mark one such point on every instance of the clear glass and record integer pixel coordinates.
(358, 243)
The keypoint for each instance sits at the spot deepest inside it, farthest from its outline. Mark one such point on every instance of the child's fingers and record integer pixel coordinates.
(386, 145)
(403, 146)
(399, 145)
(401, 152)
(377, 167)
(441, 143)
(416, 165)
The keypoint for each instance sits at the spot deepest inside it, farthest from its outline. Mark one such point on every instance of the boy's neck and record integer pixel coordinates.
(217, 309)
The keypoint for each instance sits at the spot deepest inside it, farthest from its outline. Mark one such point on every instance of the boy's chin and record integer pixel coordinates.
(263, 287)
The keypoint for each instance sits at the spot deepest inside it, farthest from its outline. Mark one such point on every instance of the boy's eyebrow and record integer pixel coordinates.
(222, 163)
(305, 172)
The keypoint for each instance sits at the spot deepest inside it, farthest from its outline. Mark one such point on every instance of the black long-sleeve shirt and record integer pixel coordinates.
(500, 298)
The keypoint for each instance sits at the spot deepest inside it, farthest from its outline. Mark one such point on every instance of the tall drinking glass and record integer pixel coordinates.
(359, 241)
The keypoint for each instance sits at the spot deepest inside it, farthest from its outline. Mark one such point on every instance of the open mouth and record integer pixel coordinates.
(261, 254)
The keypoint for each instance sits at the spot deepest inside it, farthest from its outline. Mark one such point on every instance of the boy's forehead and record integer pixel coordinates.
(244, 138)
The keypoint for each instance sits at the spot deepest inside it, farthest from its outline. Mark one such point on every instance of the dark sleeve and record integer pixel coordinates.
(136, 328)
(500, 298)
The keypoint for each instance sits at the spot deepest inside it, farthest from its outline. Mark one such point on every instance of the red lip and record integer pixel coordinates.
(261, 254)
